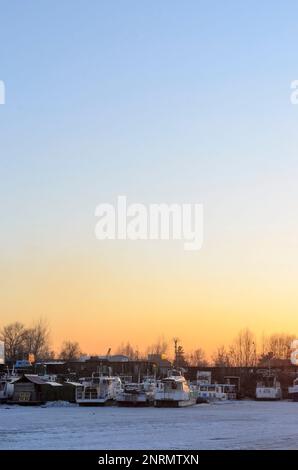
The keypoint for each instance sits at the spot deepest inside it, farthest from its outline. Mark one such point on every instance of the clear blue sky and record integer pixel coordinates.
(160, 100)
(173, 99)
(146, 90)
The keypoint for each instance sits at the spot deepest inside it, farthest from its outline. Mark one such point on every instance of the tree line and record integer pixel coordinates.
(21, 342)
(244, 351)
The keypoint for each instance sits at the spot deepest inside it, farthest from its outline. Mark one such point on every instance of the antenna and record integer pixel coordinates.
(176, 341)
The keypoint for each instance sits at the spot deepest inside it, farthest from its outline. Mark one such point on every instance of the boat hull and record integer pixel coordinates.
(174, 403)
(132, 400)
(98, 403)
(210, 399)
(293, 393)
(268, 399)
(268, 394)
(134, 403)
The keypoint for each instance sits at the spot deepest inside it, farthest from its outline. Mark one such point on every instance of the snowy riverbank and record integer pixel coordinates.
(231, 425)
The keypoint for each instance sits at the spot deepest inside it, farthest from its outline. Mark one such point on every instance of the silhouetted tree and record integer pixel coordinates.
(70, 351)
(128, 350)
(243, 352)
(197, 358)
(37, 340)
(160, 347)
(14, 336)
(279, 345)
(221, 357)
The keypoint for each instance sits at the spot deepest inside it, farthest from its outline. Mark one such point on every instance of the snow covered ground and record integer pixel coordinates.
(231, 425)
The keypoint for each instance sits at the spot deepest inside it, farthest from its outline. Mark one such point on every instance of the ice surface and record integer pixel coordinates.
(231, 425)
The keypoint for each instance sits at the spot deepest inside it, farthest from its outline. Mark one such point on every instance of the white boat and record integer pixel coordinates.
(230, 390)
(174, 391)
(138, 394)
(207, 392)
(268, 388)
(210, 392)
(293, 391)
(98, 390)
(7, 385)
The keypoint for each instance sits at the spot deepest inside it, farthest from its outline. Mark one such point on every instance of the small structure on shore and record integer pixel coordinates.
(33, 390)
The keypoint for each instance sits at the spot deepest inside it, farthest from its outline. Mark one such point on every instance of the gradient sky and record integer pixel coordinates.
(165, 102)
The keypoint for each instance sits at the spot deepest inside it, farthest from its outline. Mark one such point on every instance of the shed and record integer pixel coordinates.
(33, 390)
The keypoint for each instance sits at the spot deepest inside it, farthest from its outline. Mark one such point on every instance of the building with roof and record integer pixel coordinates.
(31, 389)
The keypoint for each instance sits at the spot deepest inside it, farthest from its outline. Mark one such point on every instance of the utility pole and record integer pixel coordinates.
(176, 340)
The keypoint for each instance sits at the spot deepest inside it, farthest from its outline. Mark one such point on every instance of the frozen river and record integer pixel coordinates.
(231, 425)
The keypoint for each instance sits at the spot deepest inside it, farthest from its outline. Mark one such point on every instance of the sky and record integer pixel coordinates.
(162, 102)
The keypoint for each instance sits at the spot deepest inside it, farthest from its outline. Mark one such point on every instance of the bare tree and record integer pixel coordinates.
(14, 336)
(221, 357)
(70, 351)
(37, 340)
(278, 345)
(243, 352)
(48, 354)
(197, 358)
(160, 347)
(128, 350)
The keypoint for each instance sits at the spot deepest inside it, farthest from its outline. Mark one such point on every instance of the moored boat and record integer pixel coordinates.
(138, 394)
(7, 385)
(268, 389)
(98, 390)
(210, 393)
(293, 391)
(174, 391)
(207, 392)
